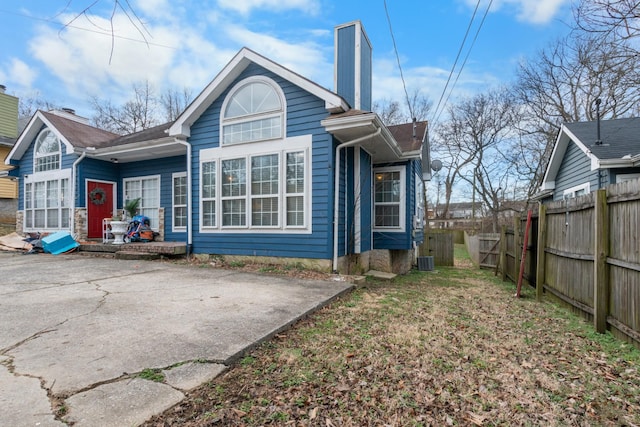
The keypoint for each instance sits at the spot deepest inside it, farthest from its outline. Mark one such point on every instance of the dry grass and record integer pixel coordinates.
(451, 347)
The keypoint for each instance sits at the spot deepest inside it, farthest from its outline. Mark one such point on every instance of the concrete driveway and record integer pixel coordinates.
(81, 330)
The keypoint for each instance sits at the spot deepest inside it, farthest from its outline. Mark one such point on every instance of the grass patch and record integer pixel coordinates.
(449, 347)
(152, 375)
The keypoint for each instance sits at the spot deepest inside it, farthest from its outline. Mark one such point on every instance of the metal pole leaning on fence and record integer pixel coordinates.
(525, 242)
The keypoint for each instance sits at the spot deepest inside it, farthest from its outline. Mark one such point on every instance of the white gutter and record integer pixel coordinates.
(189, 195)
(336, 191)
(72, 222)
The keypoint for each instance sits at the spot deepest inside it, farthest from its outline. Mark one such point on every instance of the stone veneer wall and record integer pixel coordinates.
(19, 222)
(80, 220)
(391, 261)
(160, 237)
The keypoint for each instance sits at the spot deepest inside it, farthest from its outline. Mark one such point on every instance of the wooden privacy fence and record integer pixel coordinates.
(592, 256)
(585, 251)
(489, 250)
(439, 245)
(511, 245)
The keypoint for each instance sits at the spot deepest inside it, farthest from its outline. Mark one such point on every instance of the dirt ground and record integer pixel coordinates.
(449, 347)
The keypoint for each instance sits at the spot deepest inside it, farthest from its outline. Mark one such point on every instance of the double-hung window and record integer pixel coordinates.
(264, 190)
(179, 201)
(389, 199)
(47, 196)
(147, 189)
(234, 191)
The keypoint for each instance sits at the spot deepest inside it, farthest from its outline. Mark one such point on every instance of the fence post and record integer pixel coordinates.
(517, 254)
(542, 243)
(600, 267)
(503, 252)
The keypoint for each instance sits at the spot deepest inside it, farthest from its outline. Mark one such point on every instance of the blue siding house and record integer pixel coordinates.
(589, 156)
(263, 164)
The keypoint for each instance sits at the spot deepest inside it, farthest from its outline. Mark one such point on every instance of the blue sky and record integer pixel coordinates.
(191, 40)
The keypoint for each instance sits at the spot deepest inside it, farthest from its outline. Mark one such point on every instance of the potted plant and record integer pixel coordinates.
(131, 207)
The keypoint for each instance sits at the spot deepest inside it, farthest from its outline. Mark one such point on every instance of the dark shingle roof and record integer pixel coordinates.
(150, 134)
(404, 135)
(79, 134)
(620, 137)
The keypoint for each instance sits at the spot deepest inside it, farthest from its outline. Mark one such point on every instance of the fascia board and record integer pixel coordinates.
(28, 135)
(559, 148)
(134, 146)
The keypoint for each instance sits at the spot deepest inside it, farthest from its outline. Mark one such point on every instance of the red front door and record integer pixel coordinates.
(99, 206)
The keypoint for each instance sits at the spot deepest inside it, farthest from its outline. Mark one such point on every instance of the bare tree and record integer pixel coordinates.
(621, 17)
(392, 113)
(476, 136)
(142, 111)
(174, 102)
(28, 105)
(562, 83)
(134, 115)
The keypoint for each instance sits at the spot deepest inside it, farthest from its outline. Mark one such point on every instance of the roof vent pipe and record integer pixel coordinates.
(598, 139)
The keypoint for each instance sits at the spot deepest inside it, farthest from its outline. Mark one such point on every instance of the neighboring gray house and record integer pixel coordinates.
(586, 158)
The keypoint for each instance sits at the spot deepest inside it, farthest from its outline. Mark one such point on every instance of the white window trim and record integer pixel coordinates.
(173, 206)
(570, 193)
(268, 114)
(52, 175)
(154, 227)
(403, 199)
(214, 199)
(236, 151)
(35, 152)
(281, 220)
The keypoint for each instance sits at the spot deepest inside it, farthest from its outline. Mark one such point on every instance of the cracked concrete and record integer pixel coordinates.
(79, 330)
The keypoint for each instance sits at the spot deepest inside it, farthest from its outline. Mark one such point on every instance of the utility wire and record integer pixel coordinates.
(101, 32)
(464, 40)
(395, 48)
(486, 12)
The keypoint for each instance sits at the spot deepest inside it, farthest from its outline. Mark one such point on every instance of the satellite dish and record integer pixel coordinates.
(436, 165)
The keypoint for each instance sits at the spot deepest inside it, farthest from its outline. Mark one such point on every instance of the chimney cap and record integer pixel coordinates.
(3, 88)
(68, 110)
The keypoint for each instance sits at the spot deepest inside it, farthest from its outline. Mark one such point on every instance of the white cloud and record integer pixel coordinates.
(307, 58)
(18, 73)
(532, 11)
(81, 58)
(247, 6)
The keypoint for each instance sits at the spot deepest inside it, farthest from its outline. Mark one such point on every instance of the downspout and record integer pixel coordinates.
(336, 191)
(72, 220)
(189, 197)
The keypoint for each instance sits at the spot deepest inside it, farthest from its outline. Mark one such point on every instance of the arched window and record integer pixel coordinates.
(46, 152)
(253, 111)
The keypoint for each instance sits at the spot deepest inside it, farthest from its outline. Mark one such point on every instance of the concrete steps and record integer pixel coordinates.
(133, 251)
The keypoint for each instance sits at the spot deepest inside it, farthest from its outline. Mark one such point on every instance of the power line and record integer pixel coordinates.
(486, 12)
(104, 32)
(395, 48)
(464, 40)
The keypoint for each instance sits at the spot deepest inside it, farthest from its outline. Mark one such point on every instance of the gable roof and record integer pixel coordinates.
(620, 137)
(620, 147)
(182, 126)
(73, 131)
